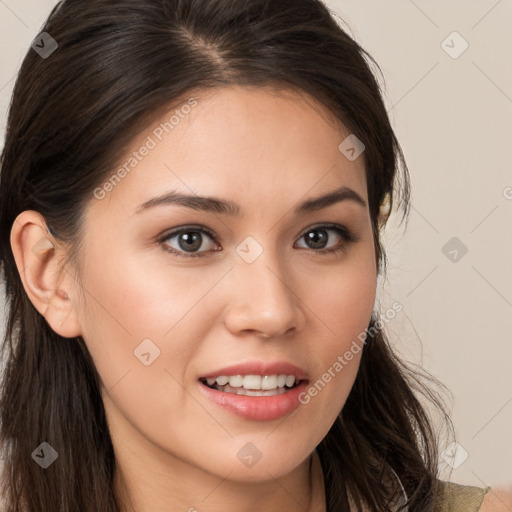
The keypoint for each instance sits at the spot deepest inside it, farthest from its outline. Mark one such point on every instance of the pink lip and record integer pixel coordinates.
(257, 408)
(259, 368)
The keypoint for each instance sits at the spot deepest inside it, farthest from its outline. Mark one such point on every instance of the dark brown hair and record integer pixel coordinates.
(117, 64)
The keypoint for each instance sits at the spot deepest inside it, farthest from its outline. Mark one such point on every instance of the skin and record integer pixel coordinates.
(267, 151)
(498, 499)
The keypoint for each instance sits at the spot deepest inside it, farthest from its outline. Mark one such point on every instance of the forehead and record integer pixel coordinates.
(253, 144)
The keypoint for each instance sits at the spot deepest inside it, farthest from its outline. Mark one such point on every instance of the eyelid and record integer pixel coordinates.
(327, 225)
(192, 227)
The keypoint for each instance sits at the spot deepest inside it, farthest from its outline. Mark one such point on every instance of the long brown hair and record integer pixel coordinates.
(118, 63)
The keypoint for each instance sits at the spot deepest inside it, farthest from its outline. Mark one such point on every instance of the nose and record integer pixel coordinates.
(265, 301)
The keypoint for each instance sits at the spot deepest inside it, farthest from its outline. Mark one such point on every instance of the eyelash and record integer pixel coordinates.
(345, 234)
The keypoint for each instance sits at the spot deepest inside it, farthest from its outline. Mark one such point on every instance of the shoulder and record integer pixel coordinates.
(454, 497)
(497, 500)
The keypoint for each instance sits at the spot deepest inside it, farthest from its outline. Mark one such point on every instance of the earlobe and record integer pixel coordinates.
(384, 211)
(49, 286)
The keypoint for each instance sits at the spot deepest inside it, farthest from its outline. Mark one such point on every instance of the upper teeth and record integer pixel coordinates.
(254, 381)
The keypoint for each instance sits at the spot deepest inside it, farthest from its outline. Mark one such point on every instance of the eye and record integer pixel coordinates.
(197, 241)
(318, 237)
(190, 241)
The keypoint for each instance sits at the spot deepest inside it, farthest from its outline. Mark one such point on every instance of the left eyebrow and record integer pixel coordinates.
(221, 206)
(336, 196)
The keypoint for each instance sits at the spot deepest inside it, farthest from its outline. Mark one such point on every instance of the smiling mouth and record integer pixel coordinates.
(253, 385)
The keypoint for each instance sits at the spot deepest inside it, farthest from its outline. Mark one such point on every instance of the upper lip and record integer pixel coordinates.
(259, 368)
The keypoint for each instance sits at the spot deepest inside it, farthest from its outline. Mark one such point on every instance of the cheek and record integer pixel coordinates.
(343, 297)
(142, 329)
(342, 302)
(130, 301)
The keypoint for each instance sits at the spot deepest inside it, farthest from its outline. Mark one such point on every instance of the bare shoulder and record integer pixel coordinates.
(498, 499)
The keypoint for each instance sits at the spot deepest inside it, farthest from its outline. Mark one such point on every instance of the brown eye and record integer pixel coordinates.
(189, 241)
(318, 238)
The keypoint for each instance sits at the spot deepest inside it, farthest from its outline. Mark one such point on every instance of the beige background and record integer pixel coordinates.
(453, 117)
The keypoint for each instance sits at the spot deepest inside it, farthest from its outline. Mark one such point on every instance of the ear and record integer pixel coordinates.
(384, 211)
(51, 288)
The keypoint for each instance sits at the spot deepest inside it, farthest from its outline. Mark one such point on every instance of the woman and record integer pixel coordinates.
(192, 198)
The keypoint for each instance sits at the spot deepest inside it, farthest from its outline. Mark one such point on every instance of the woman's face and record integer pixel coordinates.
(247, 288)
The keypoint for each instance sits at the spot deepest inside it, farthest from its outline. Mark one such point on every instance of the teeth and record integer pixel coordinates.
(270, 382)
(249, 392)
(250, 382)
(253, 382)
(236, 381)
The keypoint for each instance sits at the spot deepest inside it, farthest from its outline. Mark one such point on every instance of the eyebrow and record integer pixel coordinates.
(222, 206)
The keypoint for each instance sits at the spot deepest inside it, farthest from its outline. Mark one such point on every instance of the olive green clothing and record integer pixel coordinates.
(460, 498)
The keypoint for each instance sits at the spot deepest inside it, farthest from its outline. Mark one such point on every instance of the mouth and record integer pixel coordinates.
(256, 390)
(253, 385)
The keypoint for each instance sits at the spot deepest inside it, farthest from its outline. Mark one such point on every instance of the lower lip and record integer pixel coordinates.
(257, 408)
